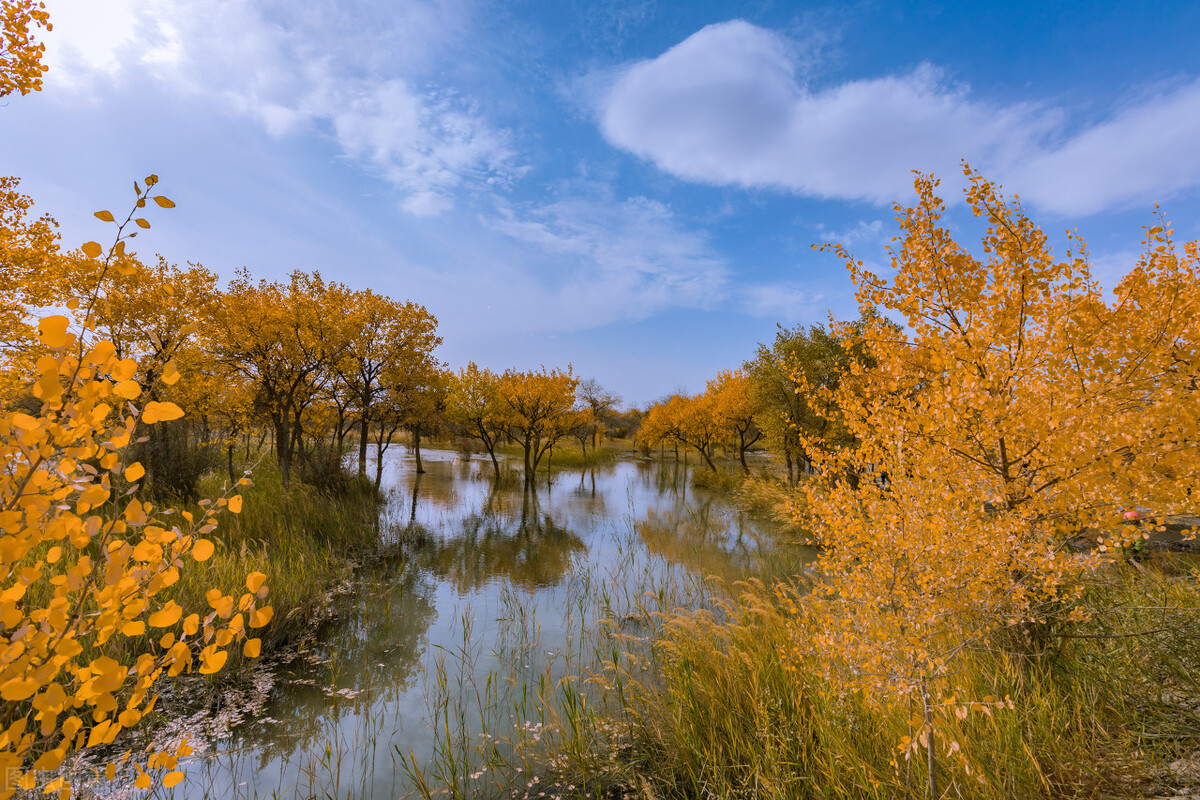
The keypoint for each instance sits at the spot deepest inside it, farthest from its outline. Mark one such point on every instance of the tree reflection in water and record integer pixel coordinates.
(530, 548)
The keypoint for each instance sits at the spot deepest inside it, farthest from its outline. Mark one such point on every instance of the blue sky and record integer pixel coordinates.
(632, 187)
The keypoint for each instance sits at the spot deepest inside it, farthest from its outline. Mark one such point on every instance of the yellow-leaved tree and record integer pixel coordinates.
(1018, 408)
(21, 66)
(539, 408)
(737, 407)
(86, 566)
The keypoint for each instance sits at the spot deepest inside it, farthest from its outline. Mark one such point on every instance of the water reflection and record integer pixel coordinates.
(530, 548)
(344, 715)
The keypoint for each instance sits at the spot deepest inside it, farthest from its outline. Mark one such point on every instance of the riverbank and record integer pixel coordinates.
(307, 541)
(717, 701)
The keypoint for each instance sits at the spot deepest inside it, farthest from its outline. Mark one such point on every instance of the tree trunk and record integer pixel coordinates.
(787, 456)
(528, 460)
(416, 433)
(495, 461)
(229, 461)
(364, 436)
(742, 452)
(283, 453)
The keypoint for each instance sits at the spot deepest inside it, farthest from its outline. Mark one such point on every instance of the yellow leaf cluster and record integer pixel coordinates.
(83, 562)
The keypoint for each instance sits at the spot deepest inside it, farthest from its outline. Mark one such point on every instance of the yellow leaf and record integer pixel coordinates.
(166, 616)
(212, 660)
(127, 390)
(106, 216)
(92, 249)
(235, 505)
(170, 374)
(261, 617)
(134, 472)
(18, 689)
(53, 331)
(252, 648)
(24, 421)
(255, 580)
(142, 781)
(202, 550)
(164, 202)
(172, 779)
(51, 759)
(160, 412)
(142, 223)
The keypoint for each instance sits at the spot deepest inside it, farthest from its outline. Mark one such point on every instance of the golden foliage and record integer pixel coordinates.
(85, 563)
(1017, 409)
(21, 66)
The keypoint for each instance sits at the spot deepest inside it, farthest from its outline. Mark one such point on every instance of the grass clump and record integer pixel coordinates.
(713, 701)
(303, 539)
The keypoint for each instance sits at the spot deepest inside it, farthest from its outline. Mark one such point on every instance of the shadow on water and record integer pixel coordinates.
(483, 576)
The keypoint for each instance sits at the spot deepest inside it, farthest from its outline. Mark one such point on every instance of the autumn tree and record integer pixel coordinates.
(539, 409)
(417, 397)
(284, 337)
(689, 421)
(30, 252)
(737, 408)
(1017, 408)
(475, 408)
(21, 66)
(152, 313)
(387, 340)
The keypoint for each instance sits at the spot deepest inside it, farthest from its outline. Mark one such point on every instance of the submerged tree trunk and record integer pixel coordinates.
(416, 434)
(528, 442)
(382, 441)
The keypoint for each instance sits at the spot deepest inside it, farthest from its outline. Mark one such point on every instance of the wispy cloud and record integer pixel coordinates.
(604, 260)
(728, 106)
(787, 301)
(360, 73)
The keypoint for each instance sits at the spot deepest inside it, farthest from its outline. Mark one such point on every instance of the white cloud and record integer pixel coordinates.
(1144, 153)
(783, 301)
(726, 106)
(600, 261)
(353, 69)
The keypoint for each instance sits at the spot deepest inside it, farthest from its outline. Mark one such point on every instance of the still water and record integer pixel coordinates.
(490, 590)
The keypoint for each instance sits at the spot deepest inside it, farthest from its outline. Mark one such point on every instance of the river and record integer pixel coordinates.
(488, 595)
